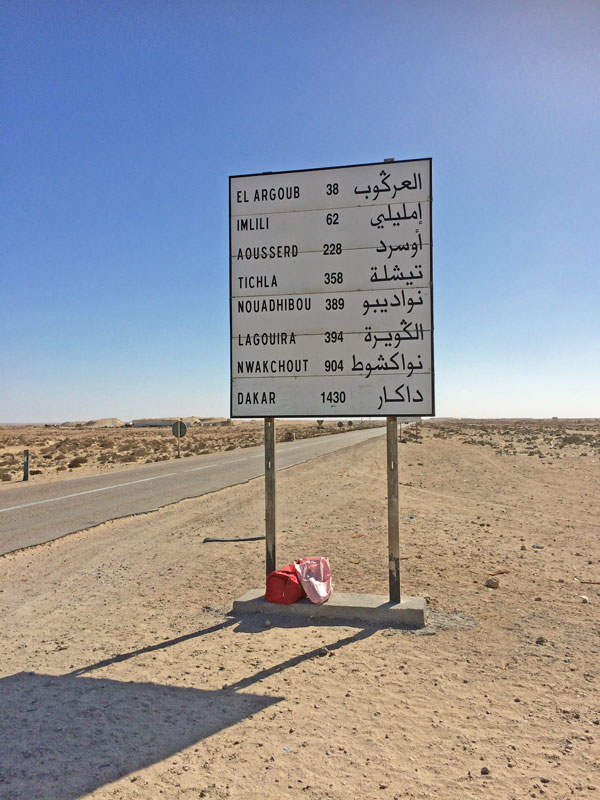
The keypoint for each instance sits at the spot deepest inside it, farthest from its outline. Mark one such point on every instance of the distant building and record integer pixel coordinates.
(167, 422)
(153, 423)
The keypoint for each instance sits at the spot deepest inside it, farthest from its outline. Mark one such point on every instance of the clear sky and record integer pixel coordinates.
(123, 120)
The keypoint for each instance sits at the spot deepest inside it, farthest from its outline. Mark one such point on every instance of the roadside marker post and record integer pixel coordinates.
(26, 465)
(179, 429)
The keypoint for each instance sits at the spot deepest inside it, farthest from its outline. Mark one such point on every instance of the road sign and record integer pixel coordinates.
(179, 429)
(331, 292)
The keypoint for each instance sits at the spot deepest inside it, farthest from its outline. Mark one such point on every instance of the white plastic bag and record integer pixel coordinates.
(314, 573)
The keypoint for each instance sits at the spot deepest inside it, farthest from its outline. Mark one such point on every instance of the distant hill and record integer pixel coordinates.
(109, 422)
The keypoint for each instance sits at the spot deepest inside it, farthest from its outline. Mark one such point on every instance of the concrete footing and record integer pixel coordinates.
(376, 609)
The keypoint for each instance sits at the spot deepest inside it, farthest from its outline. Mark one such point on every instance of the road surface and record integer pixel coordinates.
(31, 514)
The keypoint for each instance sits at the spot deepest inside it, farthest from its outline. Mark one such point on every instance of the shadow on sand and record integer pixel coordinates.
(96, 730)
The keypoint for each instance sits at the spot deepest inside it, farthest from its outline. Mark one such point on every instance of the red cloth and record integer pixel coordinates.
(283, 586)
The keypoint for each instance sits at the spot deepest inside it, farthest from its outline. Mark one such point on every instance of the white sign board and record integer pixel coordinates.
(331, 292)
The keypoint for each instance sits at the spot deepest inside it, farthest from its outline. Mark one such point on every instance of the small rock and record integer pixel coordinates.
(485, 771)
(268, 622)
(545, 780)
(324, 651)
(540, 640)
(523, 547)
(492, 583)
(584, 598)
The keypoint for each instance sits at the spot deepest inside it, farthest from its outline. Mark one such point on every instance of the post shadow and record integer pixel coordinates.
(152, 648)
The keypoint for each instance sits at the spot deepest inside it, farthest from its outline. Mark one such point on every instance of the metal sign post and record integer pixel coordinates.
(393, 515)
(26, 465)
(270, 491)
(179, 429)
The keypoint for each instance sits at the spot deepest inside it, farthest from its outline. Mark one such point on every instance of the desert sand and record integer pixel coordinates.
(123, 676)
(97, 446)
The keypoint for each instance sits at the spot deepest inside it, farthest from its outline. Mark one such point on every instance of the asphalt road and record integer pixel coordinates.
(31, 514)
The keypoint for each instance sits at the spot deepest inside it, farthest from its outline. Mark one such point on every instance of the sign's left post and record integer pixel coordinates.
(270, 492)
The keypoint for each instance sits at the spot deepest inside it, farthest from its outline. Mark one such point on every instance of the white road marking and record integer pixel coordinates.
(141, 480)
(89, 491)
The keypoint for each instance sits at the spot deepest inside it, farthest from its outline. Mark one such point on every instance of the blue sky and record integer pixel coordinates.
(123, 121)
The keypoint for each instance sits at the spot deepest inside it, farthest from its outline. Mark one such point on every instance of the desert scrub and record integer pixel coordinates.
(77, 462)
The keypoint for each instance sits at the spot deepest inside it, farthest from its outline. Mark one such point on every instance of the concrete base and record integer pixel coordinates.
(376, 609)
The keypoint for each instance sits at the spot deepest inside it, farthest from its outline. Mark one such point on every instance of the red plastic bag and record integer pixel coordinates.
(283, 586)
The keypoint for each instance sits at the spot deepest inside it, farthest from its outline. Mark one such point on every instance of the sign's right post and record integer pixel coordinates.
(393, 514)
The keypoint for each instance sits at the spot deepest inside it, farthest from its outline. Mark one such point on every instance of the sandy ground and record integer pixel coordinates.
(124, 677)
(59, 450)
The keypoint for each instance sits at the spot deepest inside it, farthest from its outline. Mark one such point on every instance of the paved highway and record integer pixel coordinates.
(31, 514)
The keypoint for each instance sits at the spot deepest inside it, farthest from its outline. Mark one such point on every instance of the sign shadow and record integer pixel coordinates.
(96, 730)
